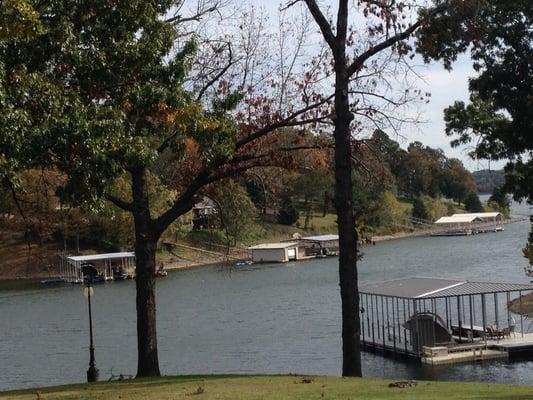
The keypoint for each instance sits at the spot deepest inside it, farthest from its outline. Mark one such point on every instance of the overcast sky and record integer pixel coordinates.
(445, 88)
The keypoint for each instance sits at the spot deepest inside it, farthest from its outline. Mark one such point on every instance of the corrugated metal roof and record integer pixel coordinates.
(267, 246)
(469, 288)
(105, 256)
(321, 238)
(457, 219)
(427, 288)
(481, 214)
(408, 287)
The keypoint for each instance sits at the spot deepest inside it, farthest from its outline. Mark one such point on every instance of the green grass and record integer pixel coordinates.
(273, 388)
(320, 224)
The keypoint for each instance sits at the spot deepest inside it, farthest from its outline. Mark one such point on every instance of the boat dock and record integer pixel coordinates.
(442, 321)
(110, 266)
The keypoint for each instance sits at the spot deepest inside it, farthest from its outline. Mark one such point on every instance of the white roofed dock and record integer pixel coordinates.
(442, 321)
(110, 266)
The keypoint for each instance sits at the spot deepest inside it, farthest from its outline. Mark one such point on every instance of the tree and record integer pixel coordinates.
(499, 197)
(472, 203)
(528, 250)
(419, 209)
(456, 181)
(237, 212)
(391, 213)
(384, 35)
(288, 214)
(498, 118)
(421, 170)
(102, 88)
(312, 186)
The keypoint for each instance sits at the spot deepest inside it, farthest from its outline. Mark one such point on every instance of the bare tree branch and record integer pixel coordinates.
(359, 62)
(322, 22)
(178, 19)
(122, 204)
(288, 121)
(219, 74)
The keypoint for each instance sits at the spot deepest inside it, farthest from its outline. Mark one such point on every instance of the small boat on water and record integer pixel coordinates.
(243, 263)
(52, 281)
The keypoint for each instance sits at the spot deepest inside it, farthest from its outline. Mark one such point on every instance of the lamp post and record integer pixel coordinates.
(89, 273)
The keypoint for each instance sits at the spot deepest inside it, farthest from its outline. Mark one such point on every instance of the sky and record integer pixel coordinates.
(445, 88)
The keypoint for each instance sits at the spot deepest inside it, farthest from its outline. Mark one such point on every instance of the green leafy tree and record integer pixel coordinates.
(498, 118)
(457, 181)
(528, 250)
(472, 203)
(391, 213)
(501, 198)
(100, 86)
(421, 171)
(237, 212)
(312, 187)
(419, 209)
(287, 214)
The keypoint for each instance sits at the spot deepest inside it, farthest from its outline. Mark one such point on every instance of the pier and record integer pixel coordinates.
(110, 266)
(442, 321)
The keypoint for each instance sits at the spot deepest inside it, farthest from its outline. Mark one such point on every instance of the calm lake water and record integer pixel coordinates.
(266, 319)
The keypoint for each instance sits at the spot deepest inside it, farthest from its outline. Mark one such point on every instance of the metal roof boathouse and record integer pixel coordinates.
(109, 266)
(441, 321)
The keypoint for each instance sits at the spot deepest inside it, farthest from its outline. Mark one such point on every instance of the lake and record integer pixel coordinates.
(259, 319)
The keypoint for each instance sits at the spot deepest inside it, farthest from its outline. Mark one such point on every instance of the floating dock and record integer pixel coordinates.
(441, 321)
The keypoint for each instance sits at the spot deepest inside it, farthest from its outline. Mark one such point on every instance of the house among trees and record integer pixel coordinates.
(204, 214)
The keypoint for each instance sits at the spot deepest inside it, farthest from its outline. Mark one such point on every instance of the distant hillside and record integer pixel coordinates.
(487, 180)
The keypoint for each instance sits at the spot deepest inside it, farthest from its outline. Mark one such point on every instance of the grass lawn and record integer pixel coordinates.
(272, 387)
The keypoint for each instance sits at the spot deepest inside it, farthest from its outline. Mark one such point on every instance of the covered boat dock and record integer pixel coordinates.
(321, 245)
(110, 266)
(440, 321)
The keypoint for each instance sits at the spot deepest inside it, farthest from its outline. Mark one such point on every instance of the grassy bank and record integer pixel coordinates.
(273, 387)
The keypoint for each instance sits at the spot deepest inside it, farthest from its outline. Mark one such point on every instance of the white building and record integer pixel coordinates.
(495, 217)
(275, 252)
(459, 224)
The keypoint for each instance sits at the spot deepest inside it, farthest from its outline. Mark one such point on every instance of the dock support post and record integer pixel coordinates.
(388, 321)
(508, 311)
(373, 330)
(393, 325)
(398, 317)
(484, 318)
(404, 329)
(496, 315)
(382, 322)
(471, 318)
(362, 311)
(417, 336)
(459, 322)
(521, 316)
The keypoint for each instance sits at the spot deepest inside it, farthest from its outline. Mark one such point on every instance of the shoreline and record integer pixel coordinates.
(174, 263)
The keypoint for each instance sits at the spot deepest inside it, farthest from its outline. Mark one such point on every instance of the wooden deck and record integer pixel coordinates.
(464, 352)
(466, 356)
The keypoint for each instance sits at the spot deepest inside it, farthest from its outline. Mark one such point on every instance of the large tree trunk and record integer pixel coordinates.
(145, 249)
(351, 347)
